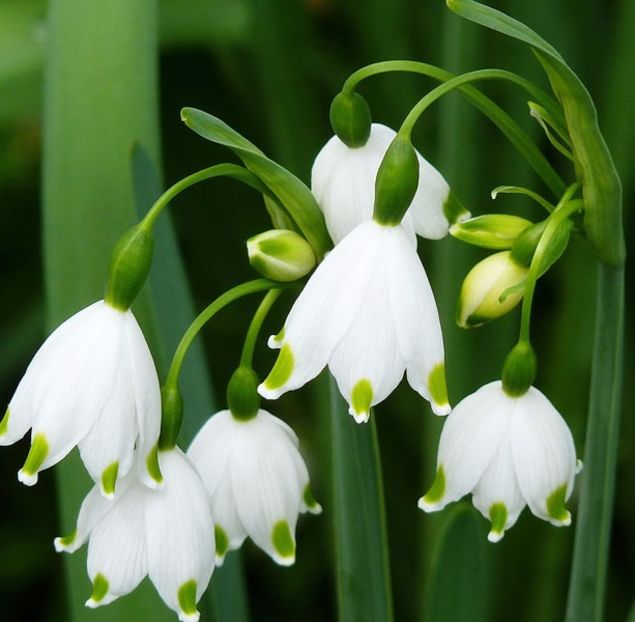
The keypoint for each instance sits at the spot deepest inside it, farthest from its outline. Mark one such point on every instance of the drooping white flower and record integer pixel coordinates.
(256, 480)
(93, 384)
(343, 182)
(508, 452)
(369, 313)
(167, 534)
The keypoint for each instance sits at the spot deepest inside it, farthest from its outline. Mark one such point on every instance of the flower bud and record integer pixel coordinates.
(280, 255)
(519, 369)
(242, 394)
(525, 246)
(350, 119)
(396, 183)
(129, 266)
(481, 298)
(496, 231)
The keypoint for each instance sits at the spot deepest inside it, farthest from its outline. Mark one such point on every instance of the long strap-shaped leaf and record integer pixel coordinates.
(100, 98)
(292, 193)
(359, 522)
(601, 186)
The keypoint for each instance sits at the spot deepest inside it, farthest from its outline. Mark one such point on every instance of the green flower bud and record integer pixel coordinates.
(350, 119)
(480, 298)
(396, 183)
(129, 266)
(495, 231)
(171, 416)
(519, 369)
(242, 394)
(525, 246)
(280, 255)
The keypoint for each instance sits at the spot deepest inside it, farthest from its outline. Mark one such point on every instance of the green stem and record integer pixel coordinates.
(219, 170)
(257, 285)
(565, 208)
(246, 358)
(497, 115)
(587, 584)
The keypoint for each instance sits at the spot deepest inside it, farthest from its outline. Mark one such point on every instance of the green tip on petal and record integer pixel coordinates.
(222, 544)
(439, 390)
(309, 500)
(361, 399)
(4, 424)
(556, 507)
(100, 589)
(498, 517)
(187, 598)
(431, 501)
(282, 369)
(283, 543)
(109, 480)
(37, 455)
(152, 465)
(62, 543)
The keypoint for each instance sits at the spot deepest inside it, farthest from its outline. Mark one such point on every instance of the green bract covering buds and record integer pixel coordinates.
(519, 369)
(129, 266)
(495, 231)
(350, 119)
(280, 255)
(483, 294)
(242, 394)
(396, 182)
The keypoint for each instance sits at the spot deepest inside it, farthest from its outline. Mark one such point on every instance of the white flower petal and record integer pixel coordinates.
(544, 457)
(179, 535)
(469, 441)
(367, 362)
(147, 398)
(417, 322)
(497, 495)
(324, 310)
(116, 549)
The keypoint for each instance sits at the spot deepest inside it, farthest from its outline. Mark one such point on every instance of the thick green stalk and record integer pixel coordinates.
(359, 521)
(587, 585)
(100, 99)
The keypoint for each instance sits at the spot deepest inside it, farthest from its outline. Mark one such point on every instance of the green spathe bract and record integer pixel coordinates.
(129, 266)
(396, 182)
(350, 119)
(243, 399)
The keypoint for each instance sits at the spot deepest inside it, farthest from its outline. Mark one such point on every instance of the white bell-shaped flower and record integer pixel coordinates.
(343, 182)
(369, 313)
(508, 452)
(256, 480)
(93, 384)
(167, 534)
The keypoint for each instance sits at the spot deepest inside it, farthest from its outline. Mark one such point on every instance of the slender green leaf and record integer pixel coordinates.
(94, 111)
(359, 522)
(587, 585)
(291, 192)
(601, 186)
(457, 587)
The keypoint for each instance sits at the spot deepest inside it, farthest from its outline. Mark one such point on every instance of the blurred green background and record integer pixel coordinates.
(270, 68)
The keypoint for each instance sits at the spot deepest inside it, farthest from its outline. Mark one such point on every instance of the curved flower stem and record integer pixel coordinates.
(219, 170)
(565, 208)
(257, 285)
(587, 584)
(497, 115)
(247, 355)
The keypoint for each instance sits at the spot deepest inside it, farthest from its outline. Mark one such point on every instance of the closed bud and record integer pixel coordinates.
(484, 294)
(525, 246)
(129, 266)
(519, 369)
(242, 394)
(495, 231)
(280, 255)
(350, 119)
(396, 183)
